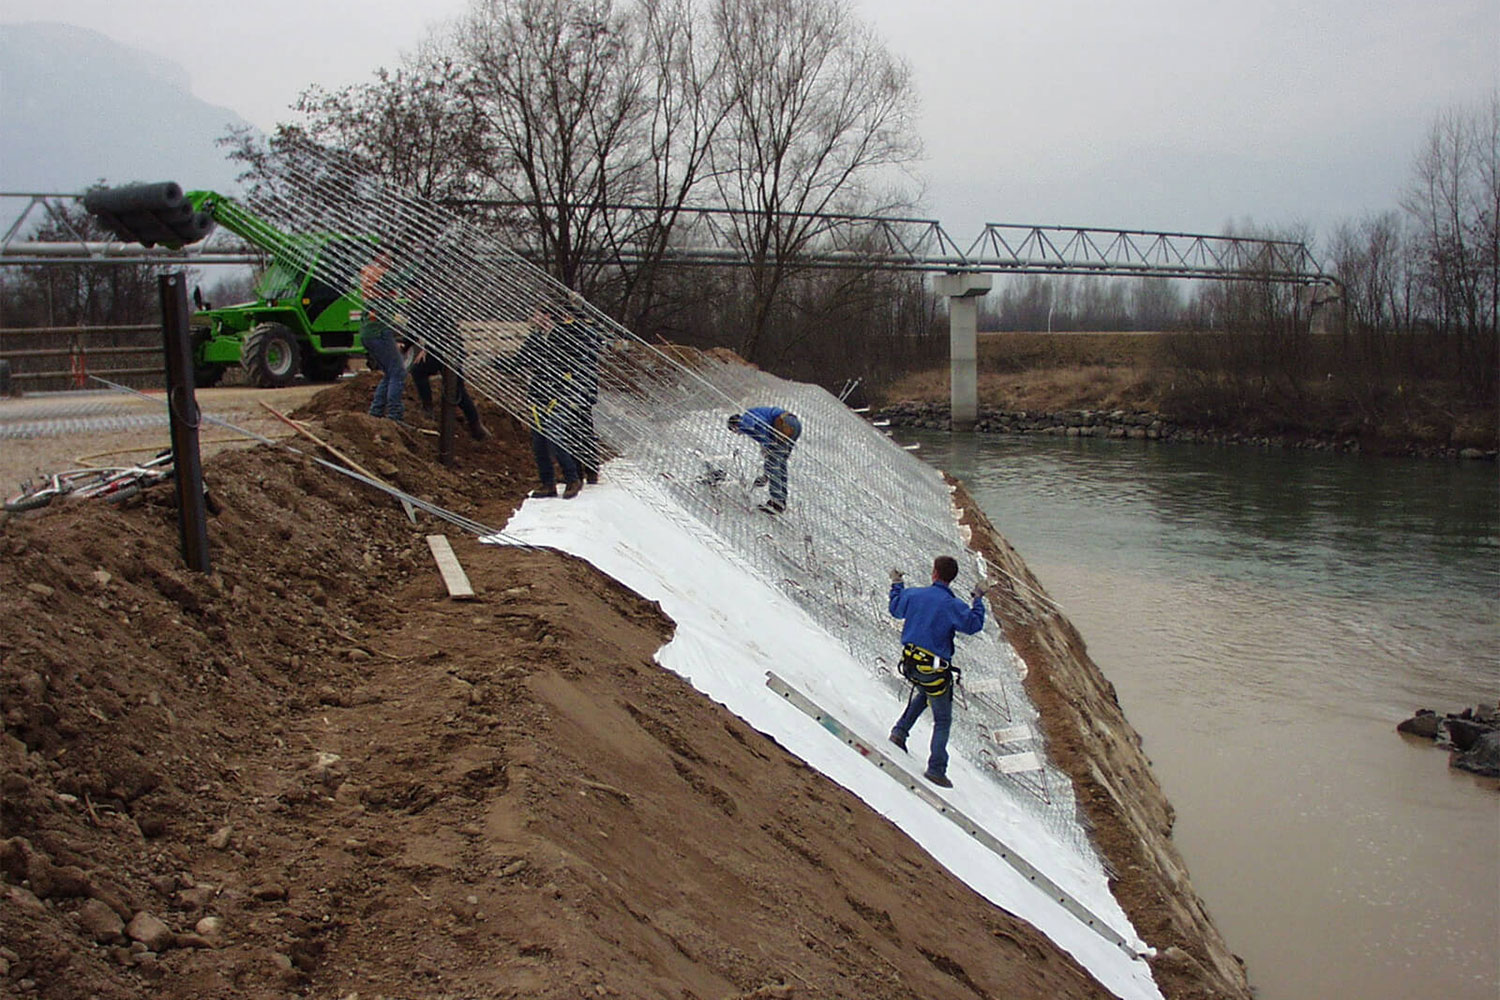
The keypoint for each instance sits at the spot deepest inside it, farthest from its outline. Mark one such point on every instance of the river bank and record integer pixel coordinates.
(1147, 425)
(1153, 385)
(313, 772)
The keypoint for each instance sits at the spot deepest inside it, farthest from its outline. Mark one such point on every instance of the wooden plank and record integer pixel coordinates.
(454, 577)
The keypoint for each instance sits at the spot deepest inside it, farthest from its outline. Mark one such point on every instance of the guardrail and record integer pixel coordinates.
(53, 358)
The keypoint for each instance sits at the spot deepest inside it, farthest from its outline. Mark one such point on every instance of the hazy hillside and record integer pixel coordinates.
(77, 107)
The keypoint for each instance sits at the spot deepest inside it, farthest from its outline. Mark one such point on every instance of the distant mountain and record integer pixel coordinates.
(77, 107)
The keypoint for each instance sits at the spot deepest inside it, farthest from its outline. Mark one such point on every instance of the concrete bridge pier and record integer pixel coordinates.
(963, 289)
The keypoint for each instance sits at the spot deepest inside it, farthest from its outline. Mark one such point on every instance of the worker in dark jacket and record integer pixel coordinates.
(932, 614)
(580, 341)
(553, 398)
(775, 430)
(424, 366)
(438, 324)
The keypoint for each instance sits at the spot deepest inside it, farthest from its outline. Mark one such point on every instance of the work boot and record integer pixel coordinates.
(572, 489)
(544, 490)
(761, 480)
(591, 477)
(772, 507)
(941, 780)
(898, 738)
(478, 432)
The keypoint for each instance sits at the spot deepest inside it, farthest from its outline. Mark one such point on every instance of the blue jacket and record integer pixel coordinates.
(932, 615)
(756, 423)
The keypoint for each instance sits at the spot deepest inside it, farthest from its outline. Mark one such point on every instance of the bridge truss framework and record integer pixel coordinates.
(715, 237)
(705, 237)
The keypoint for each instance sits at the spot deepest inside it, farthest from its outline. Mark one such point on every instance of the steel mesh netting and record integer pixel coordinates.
(65, 413)
(64, 426)
(859, 505)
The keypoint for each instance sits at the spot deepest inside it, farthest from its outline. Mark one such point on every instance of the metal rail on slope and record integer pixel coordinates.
(1006, 853)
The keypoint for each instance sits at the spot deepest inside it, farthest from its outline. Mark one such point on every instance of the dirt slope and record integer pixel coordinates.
(311, 773)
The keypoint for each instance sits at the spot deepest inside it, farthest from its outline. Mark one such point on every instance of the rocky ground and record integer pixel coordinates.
(311, 773)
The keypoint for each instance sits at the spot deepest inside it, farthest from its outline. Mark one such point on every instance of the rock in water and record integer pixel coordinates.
(1425, 724)
(1483, 758)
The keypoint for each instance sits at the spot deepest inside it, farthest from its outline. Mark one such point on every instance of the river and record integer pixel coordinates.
(1267, 617)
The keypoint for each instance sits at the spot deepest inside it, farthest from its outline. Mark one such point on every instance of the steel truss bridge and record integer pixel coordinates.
(710, 237)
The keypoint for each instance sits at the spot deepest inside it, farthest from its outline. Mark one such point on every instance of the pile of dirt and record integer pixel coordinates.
(311, 773)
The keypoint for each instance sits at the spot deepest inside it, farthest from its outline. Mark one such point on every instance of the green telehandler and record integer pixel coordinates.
(299, 322)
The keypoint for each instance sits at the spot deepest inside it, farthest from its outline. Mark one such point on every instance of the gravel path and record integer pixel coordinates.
(47, 432)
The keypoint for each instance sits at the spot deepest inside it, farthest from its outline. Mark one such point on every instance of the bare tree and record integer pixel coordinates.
(1155, 304)
(820, 111)
(1370, 259)
(77, 294)
(685, 112)
(417, 129)
(420, 127)
(1453, 203)
(563, 87)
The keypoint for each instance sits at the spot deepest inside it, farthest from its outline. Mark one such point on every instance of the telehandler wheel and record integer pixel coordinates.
(270, 356)
(208, 376)
(324, 367)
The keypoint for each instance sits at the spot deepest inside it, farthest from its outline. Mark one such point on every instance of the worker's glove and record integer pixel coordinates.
(897, 576)
(978, 590)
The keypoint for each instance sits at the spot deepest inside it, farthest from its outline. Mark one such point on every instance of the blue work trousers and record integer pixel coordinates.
(380, 345)
(942, 722)
(775, 454)
(554, 435)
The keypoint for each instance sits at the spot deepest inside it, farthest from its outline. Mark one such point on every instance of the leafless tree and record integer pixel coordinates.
(417, 129)
(564, 88)
(820, 113)
(1155, 304)
(1370, 259)
(684, 113)
(77, 294)
(1454, 204)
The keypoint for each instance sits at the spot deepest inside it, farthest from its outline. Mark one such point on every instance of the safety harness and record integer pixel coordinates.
(926, 672)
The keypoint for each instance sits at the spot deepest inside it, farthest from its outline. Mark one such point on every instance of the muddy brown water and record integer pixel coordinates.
(1267, 618)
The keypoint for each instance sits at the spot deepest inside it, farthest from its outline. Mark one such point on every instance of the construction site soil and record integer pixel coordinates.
(312, 773)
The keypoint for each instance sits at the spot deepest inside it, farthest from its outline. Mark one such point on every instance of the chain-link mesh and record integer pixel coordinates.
(859, 505)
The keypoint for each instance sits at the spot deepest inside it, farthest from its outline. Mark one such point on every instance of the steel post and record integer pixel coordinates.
(182, 411)
(447, 419)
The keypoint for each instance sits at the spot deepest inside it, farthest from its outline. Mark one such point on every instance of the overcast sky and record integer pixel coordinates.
(1158, 114)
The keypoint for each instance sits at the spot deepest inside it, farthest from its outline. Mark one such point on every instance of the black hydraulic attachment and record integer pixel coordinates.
(149, 214)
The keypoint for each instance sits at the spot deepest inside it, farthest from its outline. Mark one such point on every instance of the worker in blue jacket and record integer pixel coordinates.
(933, 614)
(775, 430)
